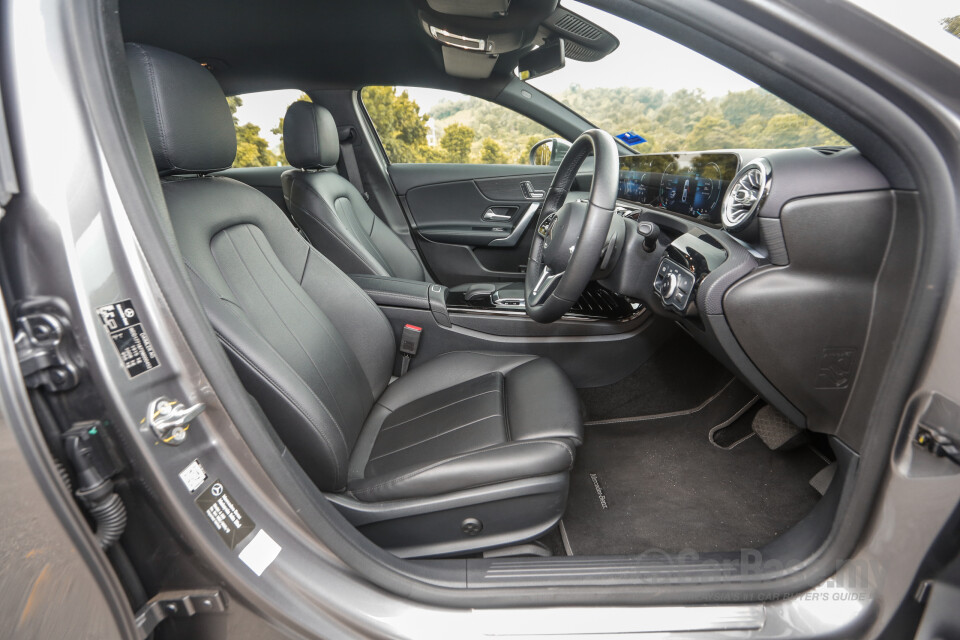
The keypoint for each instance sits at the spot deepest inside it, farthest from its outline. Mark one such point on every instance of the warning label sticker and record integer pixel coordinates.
(193, 476)
(230, 521)
(131, 341)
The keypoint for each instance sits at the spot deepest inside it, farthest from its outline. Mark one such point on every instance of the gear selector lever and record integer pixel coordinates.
(650, 233)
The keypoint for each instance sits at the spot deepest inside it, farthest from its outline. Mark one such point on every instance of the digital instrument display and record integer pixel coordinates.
(691, 184)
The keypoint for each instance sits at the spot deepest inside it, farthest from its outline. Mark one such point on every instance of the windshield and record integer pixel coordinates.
(684, 102)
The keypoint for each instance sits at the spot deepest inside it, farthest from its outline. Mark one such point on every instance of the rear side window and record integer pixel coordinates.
(431, 125)
(258, 120)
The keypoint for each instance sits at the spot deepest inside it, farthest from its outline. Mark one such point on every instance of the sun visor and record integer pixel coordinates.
(468, 64)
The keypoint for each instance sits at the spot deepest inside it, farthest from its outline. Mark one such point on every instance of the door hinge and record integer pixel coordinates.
(178, 604)
(43, 339)
(937, 442)
(938, 428)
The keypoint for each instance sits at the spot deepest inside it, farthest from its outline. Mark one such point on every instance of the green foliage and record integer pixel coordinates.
(951, 25)
(491, 153)
(683, 120)
(401, 127)
(456, 142)
(712, 132)
(233, 102)
(524, 157)
(252, 149)
(507, 128)
(739, 106)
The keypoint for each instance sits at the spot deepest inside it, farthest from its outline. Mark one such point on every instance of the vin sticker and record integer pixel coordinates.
(131, 341)
(226, 516)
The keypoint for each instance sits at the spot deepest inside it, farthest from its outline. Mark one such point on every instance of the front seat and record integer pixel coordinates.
(329, 209)
(467, 451)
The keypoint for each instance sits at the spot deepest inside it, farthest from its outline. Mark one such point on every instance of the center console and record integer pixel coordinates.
(598, 342)
(596, 302)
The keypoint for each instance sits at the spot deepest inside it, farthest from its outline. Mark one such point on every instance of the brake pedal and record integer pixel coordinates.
(776, 431)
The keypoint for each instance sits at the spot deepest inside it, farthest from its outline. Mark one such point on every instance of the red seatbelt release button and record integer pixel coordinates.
(410, 339)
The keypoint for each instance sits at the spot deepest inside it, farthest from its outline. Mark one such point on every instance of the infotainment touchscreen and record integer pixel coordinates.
(691, 184)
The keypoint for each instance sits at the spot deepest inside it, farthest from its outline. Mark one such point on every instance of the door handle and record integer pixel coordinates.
(492, 216)
(530, 192)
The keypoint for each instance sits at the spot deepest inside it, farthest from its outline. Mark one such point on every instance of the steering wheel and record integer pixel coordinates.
(570, 236)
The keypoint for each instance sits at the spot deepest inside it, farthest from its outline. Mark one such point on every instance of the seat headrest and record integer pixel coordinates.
(184, 111)
(310, 137)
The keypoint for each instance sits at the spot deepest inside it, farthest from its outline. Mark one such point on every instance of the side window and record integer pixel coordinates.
(260, 136)
(431, 125)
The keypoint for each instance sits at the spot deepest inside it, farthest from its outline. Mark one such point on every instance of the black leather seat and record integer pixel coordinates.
(482, 436)
(329, 209)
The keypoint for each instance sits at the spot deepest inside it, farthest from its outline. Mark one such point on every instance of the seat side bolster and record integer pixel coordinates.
(499, 463)
(542, 402)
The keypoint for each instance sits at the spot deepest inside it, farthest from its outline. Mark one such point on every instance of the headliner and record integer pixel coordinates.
(253, 45)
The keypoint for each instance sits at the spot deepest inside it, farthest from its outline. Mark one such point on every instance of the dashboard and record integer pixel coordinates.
(770, 259)
(689, 184)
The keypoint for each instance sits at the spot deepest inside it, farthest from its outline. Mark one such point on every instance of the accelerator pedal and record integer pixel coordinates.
(776, 431)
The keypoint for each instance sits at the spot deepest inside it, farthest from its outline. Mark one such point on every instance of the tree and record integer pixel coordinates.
(524, 157)
(397, 119)
(712, 132)
(491, 153)
(252, 149)
(951, 25)
(456, 142)
(739, 106)
(788, 130)
(233, 102)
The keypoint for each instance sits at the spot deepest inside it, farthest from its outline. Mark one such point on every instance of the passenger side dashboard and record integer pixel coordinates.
(785, 299)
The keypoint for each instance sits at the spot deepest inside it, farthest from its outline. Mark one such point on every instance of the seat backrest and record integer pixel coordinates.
(330, 210)
(309, 345)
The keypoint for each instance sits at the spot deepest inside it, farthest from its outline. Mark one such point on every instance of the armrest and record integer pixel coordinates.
(395, 292)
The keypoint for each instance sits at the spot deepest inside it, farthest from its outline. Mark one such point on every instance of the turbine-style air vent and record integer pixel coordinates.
(745, 195)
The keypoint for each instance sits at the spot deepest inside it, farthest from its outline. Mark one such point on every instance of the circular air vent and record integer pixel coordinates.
(744, 196)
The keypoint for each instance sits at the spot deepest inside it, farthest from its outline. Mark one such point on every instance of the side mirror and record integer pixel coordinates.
(548, 152)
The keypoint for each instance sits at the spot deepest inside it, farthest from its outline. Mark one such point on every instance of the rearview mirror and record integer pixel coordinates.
(549, 151)
(545, 59)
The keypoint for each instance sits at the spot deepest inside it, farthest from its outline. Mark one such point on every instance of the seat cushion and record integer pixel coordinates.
(466, 420)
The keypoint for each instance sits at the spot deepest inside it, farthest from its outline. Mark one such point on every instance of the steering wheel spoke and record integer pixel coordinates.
(545, 285)
(569, 240)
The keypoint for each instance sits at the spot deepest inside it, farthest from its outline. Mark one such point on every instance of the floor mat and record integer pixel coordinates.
(732, 432)
(656, 386)
(661, 484)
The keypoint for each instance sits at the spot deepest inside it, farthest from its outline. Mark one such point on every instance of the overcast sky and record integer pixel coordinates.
(685, 70)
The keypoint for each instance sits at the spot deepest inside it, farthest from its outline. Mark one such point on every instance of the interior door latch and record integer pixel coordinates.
(170, 419)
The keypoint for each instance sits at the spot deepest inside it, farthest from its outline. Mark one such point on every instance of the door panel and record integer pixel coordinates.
(473, 223)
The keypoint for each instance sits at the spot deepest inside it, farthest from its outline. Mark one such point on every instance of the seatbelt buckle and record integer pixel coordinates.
(409, 343)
